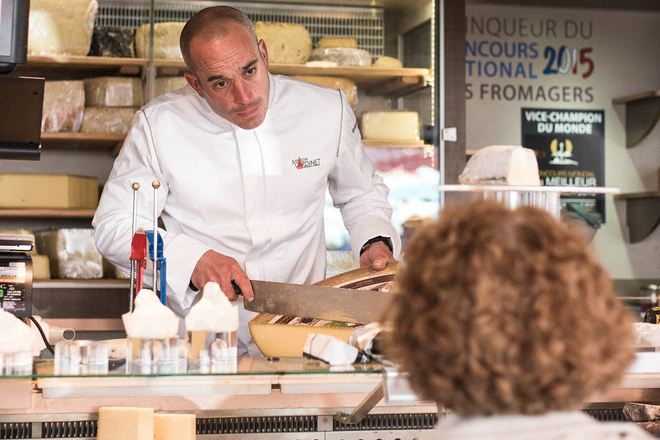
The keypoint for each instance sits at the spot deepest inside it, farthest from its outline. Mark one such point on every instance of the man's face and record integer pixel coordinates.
(231, 74)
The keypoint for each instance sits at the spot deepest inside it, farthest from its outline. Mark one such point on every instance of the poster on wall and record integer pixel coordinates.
(570, 147)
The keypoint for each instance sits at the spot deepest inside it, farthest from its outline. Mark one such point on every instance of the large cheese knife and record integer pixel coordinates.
(320, 302)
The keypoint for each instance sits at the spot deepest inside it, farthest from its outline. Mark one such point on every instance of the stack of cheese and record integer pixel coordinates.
(287, 43)
(127, 423)
(390, 125)
(341, 51)
(71, 252)
(110, 104)
(63, 106)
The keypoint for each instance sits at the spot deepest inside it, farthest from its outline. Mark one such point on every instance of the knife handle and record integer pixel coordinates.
(237, 289)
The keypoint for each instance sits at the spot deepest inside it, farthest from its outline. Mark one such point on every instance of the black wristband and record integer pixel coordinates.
(386, 240)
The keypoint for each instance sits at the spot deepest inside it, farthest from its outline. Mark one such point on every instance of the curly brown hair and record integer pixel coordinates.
(501, 311)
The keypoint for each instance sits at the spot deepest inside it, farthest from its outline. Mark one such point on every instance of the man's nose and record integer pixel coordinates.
(242, 93)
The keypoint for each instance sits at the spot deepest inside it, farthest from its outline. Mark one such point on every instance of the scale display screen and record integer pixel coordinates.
(16, 283)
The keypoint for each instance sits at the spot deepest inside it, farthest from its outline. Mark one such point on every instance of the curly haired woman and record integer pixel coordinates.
(505, 318)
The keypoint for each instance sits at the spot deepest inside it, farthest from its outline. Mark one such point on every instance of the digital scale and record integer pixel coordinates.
(16, 274)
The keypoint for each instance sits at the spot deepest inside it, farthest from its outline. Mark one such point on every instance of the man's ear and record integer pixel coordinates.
(263, 51)
(194, 83)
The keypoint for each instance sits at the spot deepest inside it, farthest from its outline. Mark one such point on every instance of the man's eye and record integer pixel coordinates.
(220, 84)
(251, 71)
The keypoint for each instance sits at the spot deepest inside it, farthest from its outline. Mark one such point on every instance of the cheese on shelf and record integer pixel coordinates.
(287, 43)
(61, 27)
(285, 336)
(174, 427)
(107, 119)
(168, 84)
(166, 40)
(112, 41)
(396, 125)
(343, 56)
(125, 423)
(387, 63)
(64, 102)
(113, 91)
(48, 191)
(501, 164)
(71, 252)
(326, 42)
(344, 84)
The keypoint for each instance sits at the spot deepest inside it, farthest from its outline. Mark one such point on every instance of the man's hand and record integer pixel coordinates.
(377, 255)
(214, 266)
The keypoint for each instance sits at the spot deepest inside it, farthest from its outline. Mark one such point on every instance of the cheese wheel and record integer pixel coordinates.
(387, 63)
(287, 43)
(166, 40)
(61, 27)
(501, 165)
(396, 125)
(344, 84)
(64, 102)
(174, 427)
(285, 336)
(113, 91)
(343, 56)
(107, 119)
(125, 423)
(113, 41)
(326, 42)
(168, 84)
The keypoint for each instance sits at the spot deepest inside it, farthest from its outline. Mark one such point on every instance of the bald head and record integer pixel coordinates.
(210, 23)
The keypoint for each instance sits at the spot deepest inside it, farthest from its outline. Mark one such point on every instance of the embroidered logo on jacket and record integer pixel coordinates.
(301, 163)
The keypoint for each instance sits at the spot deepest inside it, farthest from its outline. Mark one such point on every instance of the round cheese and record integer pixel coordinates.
(326, 42)
(166, 40)
(343, 56)
(344, 84)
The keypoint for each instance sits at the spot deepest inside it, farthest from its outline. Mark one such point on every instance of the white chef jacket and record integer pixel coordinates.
(570, 425)
(256, 195)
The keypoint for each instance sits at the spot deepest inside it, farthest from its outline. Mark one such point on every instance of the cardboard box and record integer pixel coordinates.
(48, 191)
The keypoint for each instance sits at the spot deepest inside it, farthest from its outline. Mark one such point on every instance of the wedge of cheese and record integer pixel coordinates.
(502, 165)
(174, 427)
(125, 423)
(287, 43)
(396, 125)
(285, 336)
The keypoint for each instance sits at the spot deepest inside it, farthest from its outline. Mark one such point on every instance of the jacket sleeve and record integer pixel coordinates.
(137, 162)
(358, 191)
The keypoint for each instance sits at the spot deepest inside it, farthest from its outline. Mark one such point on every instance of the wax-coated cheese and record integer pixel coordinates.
(326, 42)
(64, 102)
(113, 91)
(166, 40)
(107, 119)
(174, 427)
(387, 63)
(124, 423)
(343, 56)
(396, 125)
(283, 336)
(61, 27)
(287, 43)
(501, 164)
(344, 84)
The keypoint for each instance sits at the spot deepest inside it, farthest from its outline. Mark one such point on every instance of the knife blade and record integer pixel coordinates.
(320, 302)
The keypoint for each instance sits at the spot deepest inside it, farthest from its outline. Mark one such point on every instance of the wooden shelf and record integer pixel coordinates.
(642, 114)
(46, 213)
(380, 82)
(642, 213)
(82, 141)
